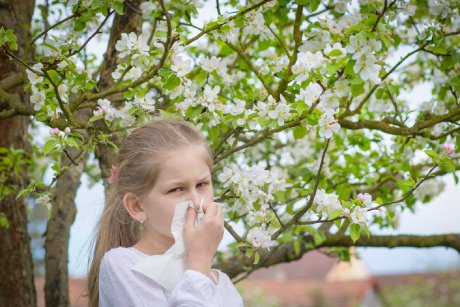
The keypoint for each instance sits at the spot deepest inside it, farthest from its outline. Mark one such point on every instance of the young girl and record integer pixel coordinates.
(160, 164)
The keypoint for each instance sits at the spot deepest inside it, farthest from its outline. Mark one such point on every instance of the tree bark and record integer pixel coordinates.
(130, 21)
(63, 214)
(286, 252)
(16, 264)
(64, 207)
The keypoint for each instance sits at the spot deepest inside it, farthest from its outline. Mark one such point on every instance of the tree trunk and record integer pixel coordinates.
(16, 264)
(63, 214)
(64, 208)
(130, 21)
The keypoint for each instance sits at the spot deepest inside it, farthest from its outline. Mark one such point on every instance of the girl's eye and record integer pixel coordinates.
(173, 190)
(202, 184)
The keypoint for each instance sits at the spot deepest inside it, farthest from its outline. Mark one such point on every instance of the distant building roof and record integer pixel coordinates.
(313, 265)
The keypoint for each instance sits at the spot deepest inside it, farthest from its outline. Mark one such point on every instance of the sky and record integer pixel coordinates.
(439, 216)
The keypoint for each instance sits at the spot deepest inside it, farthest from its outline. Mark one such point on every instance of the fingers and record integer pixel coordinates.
(190, 217)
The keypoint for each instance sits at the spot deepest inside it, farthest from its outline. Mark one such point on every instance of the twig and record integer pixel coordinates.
(258, 265)
(302, 211)
(218, 8)
(369, 94)
(252, 68)
(92, 35)
(376, 207)
(253, 7)
(54, 26)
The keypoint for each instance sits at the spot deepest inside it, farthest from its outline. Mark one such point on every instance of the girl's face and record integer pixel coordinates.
(183, 176)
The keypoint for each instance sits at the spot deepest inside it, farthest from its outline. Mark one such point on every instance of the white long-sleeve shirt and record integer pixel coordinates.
(119, 286)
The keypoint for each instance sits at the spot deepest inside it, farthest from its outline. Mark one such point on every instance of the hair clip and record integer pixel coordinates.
(113, 175)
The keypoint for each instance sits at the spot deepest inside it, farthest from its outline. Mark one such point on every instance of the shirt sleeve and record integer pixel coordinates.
(115, 289)
(194, 289)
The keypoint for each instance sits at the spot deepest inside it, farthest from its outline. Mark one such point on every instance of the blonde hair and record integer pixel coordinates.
(138, 162)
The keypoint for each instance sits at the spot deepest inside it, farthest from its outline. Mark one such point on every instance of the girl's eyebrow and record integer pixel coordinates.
(182, 182)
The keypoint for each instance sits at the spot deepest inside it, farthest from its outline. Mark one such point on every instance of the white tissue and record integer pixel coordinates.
(168, 268)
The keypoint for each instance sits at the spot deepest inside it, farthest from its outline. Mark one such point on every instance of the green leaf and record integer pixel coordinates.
(4, 221)
(249, 253)
(314, 4)
(357, 89)
(22, 192)
(357, 80)
(50, 145)
(313, 118)
(256, 258)
(7, 37)
(335, 213)
(300, 132)
(79, 25)
(409, 182)
(297, 247)
(71, 142)
(118, 7)
(165, 72)
(172, 82)
(332, 68)
(243, 244)
(446, 164)
(355, 232)
(334, 53)
(433, 155)
(338, 223)
(280, 196)
(319, 237)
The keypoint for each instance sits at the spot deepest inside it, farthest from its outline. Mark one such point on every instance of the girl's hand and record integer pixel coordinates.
(201, 241)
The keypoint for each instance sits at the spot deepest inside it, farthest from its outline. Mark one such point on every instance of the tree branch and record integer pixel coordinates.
(217, 26)
(384, 126)
(369, 94)
(286, 252)
(302, 211)
(252, 68)
(293, 58)
(11, 81)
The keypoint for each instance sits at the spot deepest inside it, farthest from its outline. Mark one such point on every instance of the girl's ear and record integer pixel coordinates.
(133, 206)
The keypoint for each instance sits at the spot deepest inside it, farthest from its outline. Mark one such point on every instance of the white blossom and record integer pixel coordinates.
(328, 124)
(306, 61)
(255, 24)
(126, 119)
(63, 90)
(181, 65)
(147, 102)
(210, 94)
(44, 200)
(336, 46)
(147, 8)
(274, 110)
(326, 203)
(366, 199)
(252, 184)
(280, 111)
(310, 94)
(329, 100)
(37, 99)
(259, 237)
(33, 77)
(213, 63)
(358, 215)
(105, 109)
(125, 44)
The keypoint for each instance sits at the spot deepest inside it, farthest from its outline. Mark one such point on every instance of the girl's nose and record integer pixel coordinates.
(198, 199)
